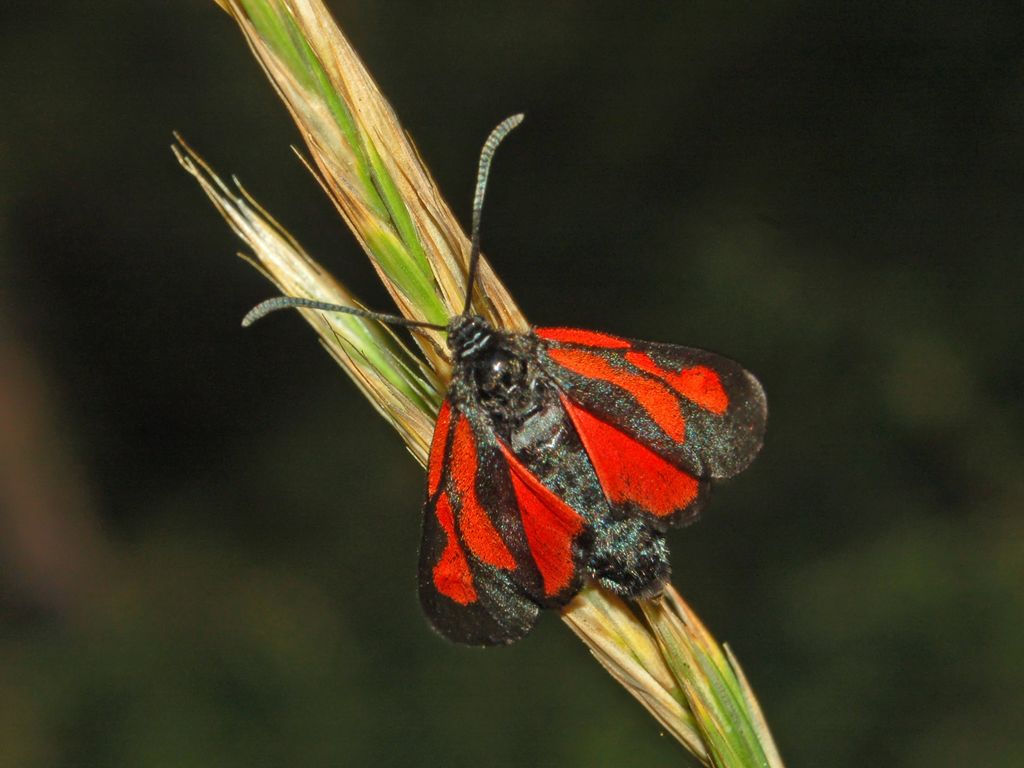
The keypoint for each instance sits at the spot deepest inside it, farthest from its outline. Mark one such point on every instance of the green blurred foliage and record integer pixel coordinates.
(831, 195)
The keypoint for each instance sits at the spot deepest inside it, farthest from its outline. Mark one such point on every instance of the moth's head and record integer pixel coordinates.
(468, 336)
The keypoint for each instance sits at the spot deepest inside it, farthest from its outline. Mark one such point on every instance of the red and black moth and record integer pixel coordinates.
(561, 455)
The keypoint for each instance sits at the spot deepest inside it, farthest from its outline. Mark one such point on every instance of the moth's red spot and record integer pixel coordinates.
(477, 529)
(451, 574)
(700, 384)
(630, 471)
(653, 396)
(550, 526)
(586, 338)
(436, 461)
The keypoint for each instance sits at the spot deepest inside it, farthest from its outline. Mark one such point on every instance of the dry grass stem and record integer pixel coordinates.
(400, 386)
(368, 165)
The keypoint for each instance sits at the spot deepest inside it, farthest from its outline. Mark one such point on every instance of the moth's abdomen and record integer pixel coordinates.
(625, 554)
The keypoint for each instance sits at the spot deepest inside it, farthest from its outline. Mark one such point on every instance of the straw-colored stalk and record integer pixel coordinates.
(368, 166)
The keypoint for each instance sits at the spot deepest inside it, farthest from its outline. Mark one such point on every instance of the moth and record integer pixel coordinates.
(561, 455)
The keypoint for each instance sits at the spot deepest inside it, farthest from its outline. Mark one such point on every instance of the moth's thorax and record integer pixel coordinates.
(499, 370)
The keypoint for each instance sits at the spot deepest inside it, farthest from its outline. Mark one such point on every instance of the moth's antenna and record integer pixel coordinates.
(486, 155)
(284, 302)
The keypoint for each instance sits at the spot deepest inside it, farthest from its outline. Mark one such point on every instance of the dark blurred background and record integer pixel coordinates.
(208, 539)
